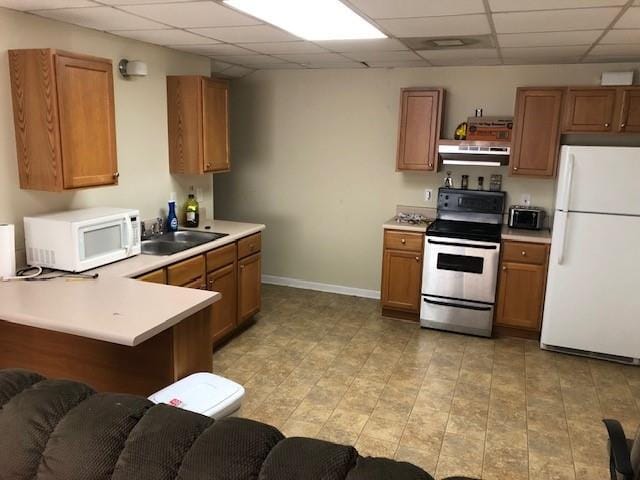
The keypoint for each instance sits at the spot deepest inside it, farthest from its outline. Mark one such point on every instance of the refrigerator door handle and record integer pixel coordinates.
(563, 219)
(567, 184)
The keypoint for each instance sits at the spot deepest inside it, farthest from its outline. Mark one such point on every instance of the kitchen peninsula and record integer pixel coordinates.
(114, 332)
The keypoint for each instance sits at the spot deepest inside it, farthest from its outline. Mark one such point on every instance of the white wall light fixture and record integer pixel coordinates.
(132, 68)
(313, 20)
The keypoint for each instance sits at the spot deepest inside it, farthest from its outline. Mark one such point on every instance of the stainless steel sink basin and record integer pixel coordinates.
(174, 242)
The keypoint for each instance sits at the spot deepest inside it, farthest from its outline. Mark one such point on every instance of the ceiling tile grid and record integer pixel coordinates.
(491, 32)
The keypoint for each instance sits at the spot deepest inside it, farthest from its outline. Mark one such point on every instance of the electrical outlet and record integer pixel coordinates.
(525, 199)
(428, 193)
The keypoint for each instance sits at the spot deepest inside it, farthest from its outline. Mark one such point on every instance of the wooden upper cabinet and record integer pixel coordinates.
(419, 131)
(198, 118)
(63, 108)
(536, 132)
(589, 110)
(630, 110)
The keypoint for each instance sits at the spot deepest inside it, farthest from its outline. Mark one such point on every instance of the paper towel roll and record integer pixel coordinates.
(7, 250)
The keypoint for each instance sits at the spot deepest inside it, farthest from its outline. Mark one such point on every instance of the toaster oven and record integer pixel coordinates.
(529, 218)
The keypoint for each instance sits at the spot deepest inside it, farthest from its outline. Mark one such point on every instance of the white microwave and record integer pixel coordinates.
(79, 240)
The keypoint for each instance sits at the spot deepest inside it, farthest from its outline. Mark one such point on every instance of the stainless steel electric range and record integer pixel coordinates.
(461, 256)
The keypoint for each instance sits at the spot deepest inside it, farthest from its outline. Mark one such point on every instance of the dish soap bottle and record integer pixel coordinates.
(192, 211)
(172, 219)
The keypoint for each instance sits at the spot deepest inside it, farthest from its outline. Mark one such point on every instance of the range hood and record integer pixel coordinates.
(487, 154)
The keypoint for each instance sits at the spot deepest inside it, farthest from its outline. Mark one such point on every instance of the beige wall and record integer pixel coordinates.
(141, 123)
(314, 158)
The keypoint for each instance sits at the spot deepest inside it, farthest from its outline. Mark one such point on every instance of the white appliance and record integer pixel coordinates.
(592, 304)
(79, 240)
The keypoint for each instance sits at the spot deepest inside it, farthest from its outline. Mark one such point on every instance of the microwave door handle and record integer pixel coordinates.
(129, 235)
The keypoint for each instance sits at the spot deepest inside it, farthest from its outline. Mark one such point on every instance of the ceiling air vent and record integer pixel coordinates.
(448, 43)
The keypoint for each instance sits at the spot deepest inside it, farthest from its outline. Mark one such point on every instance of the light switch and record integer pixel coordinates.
(427, 194)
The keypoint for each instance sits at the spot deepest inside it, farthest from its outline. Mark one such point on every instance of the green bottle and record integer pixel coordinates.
(192, 211)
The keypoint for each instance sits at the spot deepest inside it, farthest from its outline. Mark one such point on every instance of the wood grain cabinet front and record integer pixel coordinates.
(157, 276)
(419, 129)
(536, 132)
(222, 277)
(589, 109)
(249, 287)
(198, 119)
(629, 110)
(189, 272)
(401, 274)
(521, 288)
(63, 109)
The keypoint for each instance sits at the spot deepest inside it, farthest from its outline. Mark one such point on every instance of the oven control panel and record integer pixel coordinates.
(471, 205)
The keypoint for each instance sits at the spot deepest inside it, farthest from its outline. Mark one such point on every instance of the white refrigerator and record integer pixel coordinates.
(592, 303)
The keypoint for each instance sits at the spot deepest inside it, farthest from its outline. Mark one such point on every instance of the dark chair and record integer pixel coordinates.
(624, 453)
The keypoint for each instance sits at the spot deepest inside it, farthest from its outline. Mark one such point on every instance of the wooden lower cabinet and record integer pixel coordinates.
(223, 312)
(157, 276)
(402, 274)
(249, 287)
(521, 289)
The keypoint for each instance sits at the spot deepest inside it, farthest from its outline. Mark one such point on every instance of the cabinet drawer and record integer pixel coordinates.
(525, 252)
(399, 240)
(249, 245)
(185, 272)
(157, 276)
(220, 257)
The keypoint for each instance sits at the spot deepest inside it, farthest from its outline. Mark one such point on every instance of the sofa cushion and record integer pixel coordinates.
(369, 468)
(307, 458)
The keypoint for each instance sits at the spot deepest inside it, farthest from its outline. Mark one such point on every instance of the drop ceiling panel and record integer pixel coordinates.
(28, 5)
(248, 60)
(100, 18)
(461, 62)
(621, 36)
(540, 60)
(545, 52)
(399, 64)
(139, 2)
(374, 45)
(317, 59)
(248, 34)
(214, 49)
(578, 37)
(400, 56)
(237, 71)
(520, 5)
(192, 14)
(164, 37)
(437, 26)
(555, 20)
(630, 19)
(461, 53)
(284, 47)
(416, 8)
(631, 49)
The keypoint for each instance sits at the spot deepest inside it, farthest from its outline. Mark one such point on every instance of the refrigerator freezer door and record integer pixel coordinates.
(592, 302)
(599, 179)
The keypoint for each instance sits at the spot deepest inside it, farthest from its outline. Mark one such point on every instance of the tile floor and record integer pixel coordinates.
(329, 366)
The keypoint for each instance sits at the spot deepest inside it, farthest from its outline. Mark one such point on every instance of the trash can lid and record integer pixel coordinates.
(200, 393)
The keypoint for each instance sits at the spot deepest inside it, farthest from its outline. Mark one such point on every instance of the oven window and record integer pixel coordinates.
(102, 241)
(460, 263)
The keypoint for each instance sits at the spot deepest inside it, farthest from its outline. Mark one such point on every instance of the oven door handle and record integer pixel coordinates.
(465, 245)
(457, 305)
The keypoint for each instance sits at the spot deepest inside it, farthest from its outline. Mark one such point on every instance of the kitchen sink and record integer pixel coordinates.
(174, 242)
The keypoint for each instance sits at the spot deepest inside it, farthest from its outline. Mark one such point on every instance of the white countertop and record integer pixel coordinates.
(532, 236)
(114, 308)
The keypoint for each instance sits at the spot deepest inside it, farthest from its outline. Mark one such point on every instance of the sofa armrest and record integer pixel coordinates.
(619, 448)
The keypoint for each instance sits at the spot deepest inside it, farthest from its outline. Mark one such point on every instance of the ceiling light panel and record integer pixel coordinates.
(310, 19)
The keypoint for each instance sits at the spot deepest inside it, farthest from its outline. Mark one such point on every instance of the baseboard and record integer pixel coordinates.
(321, 287)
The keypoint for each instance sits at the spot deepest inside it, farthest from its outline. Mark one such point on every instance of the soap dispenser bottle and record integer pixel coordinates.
(172, 219)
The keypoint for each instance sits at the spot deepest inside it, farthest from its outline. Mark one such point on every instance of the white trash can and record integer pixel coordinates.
(204, 393)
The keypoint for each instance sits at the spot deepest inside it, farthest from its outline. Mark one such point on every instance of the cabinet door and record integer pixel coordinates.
(401, 280)
(420, 119)
(187, 271)
(521, 295)
(87, 121)
(536, 132)
(589, 110)
(157, 276)
(215, 114)
(223, 312)
(630, 113)
(249, 287)
(197, 284)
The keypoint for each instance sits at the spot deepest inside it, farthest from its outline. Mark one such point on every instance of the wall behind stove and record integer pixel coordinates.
(314, 158)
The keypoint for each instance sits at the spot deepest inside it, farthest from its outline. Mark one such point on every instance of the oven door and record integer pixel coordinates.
(459, 269)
